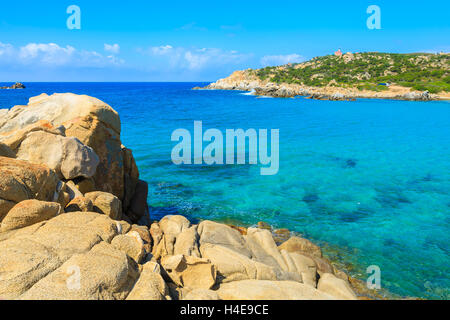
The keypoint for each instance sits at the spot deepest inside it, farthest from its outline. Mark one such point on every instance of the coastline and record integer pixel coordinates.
(243, 81)
(329, 256)
(63, 213)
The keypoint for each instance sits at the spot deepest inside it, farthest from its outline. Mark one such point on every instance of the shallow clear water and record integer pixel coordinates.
(368, 179)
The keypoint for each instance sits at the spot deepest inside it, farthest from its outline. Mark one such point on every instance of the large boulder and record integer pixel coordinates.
(190, 272)
(90, 120)
(297, 244)
(335, 287)
(269, 290)
(29, 212)
(187, 242)
(150, 285)
(302, 265)
(145, 236)
(13, 139)
(37, 250)
(306, 248)
(170, 227)
(233, 266)
(264, 249)
(75, 232)
(103, 273)
(20, 180)
(59, 109)
(106, 203)
(216, 233)
(131, 244)
(67, 156)
(23, 263)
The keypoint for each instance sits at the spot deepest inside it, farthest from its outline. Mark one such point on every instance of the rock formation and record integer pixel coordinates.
(78, 138)
(16, 85)
(69, 214)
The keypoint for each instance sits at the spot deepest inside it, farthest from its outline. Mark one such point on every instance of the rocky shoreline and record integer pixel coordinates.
(74, 224)
(244, 81)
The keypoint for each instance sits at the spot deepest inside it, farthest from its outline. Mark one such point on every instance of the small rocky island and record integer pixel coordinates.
(17, 85)
(74, 224)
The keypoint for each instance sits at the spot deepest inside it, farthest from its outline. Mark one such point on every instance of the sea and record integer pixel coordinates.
(368, 180)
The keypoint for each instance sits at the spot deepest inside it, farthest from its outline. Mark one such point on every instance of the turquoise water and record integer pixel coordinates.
(369, 179)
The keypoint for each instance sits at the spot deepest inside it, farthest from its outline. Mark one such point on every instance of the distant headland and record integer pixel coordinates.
(414, 76)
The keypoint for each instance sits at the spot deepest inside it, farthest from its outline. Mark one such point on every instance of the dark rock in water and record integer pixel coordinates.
(344, 163)
(174, 190)
(138, 205)
(17, 85)
(310, 198)
(349, 217)
(391, 198)
(350, 163)
(390, 242)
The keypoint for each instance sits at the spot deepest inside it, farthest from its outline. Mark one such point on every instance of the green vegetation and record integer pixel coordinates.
(420, 71)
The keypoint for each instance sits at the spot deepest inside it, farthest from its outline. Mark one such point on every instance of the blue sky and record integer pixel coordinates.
(201, 40)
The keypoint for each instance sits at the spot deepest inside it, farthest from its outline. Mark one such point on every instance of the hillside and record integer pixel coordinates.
(418, 76)
(366, 70)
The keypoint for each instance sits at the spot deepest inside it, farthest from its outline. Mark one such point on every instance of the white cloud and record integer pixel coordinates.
(48, 54)
(195, 58)
(53, 55)
(113, 48)
(277, 60)
(162, 50)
